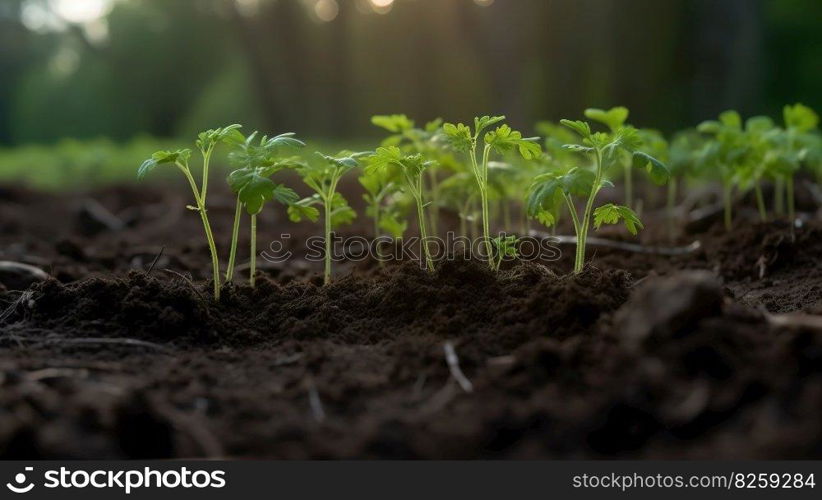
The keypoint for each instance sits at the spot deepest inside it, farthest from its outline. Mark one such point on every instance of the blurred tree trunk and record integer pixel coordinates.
(337, 73)
(262, 68)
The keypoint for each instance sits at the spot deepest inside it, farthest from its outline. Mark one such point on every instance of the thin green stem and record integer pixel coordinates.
(215, 263)
(779, 196)
(586, 219)
(252, 277)
(760, 202)
(434, 211)
(424, 236)
(235, 234)
(789, 191)
(727, 195)
(327, 211)
(629, 187)
(206, 162)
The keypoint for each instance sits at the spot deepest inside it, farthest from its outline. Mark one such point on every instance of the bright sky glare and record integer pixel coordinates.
(81, 11)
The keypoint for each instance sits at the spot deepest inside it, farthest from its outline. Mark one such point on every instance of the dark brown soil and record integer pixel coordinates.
(640, 356)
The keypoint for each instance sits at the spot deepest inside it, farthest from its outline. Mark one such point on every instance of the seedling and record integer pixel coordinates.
(726, 156)
(379, 187)
(459, 193)
(550, 190)
(323, 177)
(614, 119)
(409, 138)
(206, 143)
(411, 168)
(506, 248)
(681, 163)
(800, 121)
(500, 140)
(257, 162)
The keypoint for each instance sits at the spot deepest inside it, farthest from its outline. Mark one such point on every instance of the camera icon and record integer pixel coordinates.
(20, 479)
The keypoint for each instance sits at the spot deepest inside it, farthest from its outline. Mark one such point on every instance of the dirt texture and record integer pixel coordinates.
(119, 351)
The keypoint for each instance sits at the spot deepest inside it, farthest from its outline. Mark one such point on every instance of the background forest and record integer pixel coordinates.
(121, 68)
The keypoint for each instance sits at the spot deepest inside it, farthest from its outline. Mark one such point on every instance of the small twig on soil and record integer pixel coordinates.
(620, 245)
(154, 262)
(92, 340)
(187, 280)
(507, 360)
(288, 360)
(440, 399)
(14, 305)
(314, 401)
(47, 373)
(419, 385)
(454, 365)
(795, 320)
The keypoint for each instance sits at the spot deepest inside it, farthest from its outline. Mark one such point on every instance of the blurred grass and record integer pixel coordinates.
(72, 164)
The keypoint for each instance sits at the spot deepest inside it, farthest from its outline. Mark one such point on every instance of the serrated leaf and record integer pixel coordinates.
(580, 127)
(163, 158)
(229, 134)
(504, 139)
(304, 209)
(483, 122)
(254, 190)
(612, 214)
(382, 158)
(458, 136)
(393, 123)
(544, 194)
(506, 246)
(546, 218)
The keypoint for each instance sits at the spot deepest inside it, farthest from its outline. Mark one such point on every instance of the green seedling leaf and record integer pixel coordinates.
(504, 139)
(227, 135)
(800, 118)
(657, 171)
(481, 123)
(433, 126)
(458, 136)
(393, 225)
(544, 195)
(578, 148)
(731, 119)
(383, 158)
(341, 211)
(578, 181)
(305, 209)
(393, 123)
(612, 214)
(163, 158)
(546, 218)
(580, 127)
(614, 118)
(254, 190)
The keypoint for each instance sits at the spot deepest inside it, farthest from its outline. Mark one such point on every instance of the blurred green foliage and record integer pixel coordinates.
(170, 68)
